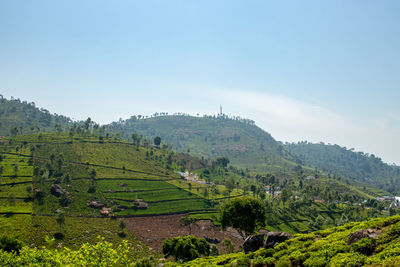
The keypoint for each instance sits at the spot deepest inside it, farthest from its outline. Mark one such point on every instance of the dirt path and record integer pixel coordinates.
(153, 230)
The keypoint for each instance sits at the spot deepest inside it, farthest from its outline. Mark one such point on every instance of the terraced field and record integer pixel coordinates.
(111, 172)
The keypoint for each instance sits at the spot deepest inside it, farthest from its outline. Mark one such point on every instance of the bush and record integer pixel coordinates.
(10, 244)
(365, 246)
(348, 260)
(283, 262)
(185, 248)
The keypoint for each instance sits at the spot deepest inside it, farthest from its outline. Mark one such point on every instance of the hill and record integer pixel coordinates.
(91, 180)
(359, 166)
(245, 144)
(377, 243)
(21, 117)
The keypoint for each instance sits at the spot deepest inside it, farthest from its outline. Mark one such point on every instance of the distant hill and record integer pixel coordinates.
(345, 162)
(245, 144)
(21, 117)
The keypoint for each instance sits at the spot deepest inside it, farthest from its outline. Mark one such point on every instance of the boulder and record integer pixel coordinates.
(360, 234)
(212, 240)
(264, 240)
(57, 191)
(95, 205)
(140, 204)
(105, 211)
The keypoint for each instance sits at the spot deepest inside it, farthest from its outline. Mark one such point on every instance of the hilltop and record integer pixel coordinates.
(245, 144)
(21, 117)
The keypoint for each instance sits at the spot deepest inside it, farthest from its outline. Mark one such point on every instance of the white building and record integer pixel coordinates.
(395, 202)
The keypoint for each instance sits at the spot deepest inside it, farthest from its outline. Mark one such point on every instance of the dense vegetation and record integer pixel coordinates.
(339, 246)
(331, 247)
(345, 162)
(245, 144)
(21, 117)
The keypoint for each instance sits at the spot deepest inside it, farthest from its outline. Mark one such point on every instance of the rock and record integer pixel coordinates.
(105, 211)
(211, 240)
(274, 238)
(57, 191)
(95, 205)
(264, 240)
(360, 234)
(140, 204)
(122, 185)
(253, 243)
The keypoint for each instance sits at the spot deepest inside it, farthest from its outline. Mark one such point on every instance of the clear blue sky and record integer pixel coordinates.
(303, 70)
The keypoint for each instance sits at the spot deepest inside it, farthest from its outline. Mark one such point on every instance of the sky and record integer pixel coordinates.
(302, 70)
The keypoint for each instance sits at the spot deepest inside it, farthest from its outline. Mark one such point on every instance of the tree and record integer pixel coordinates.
(15, 167)
(60, 219)
(228, 245)
(93, 173)
(157, 141)
(230, 185)
(243, 214)
(187, 221)
(122, 226)
(185, 248)
(222, 162)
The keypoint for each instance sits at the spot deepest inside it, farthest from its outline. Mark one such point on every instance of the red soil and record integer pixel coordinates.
(153, 230)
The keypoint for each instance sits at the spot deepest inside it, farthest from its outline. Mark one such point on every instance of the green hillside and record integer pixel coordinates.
(21, 117)
(245, 144)
(347, 163)
(371, 243)
(331, 247)
(87, 169)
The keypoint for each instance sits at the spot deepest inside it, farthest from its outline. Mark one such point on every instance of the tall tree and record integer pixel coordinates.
(243, 214)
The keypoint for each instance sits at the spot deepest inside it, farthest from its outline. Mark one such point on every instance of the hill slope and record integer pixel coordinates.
(245, 144)
(341, 161)
(18, 117)
(331, 247)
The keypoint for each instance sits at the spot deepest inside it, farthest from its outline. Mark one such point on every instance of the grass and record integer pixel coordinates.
(113, 184)
(153, 195)
(165, 207)
(15, 205)
(18, 190)
(16, 225)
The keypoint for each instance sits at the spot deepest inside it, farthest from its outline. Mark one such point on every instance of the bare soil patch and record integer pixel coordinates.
(153, 230)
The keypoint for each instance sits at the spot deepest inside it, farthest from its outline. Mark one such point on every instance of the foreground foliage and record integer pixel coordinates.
(102, 253)
(323, 248)
(186, 248)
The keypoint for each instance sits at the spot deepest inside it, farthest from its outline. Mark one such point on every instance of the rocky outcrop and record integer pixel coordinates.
(57, 191)
(105, 211)
(212, 240)
(264, 240)
(360, 234)
(95, 205)
(140, 204)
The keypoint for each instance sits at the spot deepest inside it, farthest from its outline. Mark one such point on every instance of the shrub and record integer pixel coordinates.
(10, 244)
(185, 248)
(316, 261)
(348, 260)
(365, 246)
(283, 262)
